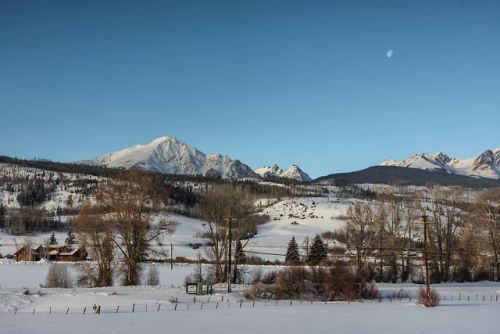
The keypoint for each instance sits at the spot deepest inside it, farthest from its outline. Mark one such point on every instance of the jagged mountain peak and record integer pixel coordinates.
(293, 172)
(170, 155)
(486, 164)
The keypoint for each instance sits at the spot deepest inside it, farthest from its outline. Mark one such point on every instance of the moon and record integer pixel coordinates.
(389, 53)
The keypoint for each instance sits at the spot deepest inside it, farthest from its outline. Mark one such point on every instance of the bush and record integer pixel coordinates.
(58, 277)
(429, 299)
(335, 283)
(152, 276)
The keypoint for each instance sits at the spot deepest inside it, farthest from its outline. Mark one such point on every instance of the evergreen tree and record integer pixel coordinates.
(239, 254)
(292, 252)
(318, 250)
(53, 240)
(70, 239)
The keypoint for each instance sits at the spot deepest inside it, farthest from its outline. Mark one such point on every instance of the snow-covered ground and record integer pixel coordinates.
(17, 275)
(64, 189)
(299, 217)
(223, 313)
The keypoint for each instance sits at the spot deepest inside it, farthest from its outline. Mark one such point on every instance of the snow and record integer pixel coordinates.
(487, 164)
(58, 197)
(300, 217)
(217, 316)
(17, 275)
(170, 155)
(293, 172)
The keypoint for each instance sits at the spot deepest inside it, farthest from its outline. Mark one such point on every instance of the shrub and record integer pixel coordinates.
(428, 299)
(58, 277)
(400, 294)
(335, 283)
(152, 276)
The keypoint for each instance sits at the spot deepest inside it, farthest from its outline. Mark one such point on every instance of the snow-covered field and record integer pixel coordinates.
(225, 315)
(299, 217)
(468, 307)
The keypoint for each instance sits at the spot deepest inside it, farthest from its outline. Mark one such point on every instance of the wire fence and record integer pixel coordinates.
(241, 304)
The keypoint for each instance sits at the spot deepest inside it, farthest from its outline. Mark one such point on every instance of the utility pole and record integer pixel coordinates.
(426, 256)
(171, 256)
(229, 255)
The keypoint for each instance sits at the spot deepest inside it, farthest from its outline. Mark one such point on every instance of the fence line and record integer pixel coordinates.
(241, 304)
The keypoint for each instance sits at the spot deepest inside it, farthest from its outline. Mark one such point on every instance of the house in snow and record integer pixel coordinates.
(64, 253)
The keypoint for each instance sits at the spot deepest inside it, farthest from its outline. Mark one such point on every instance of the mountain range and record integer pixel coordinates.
(293, 172)
(486, 164)
(170, 155)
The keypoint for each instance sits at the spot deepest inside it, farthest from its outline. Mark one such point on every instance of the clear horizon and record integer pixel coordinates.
(329, 86)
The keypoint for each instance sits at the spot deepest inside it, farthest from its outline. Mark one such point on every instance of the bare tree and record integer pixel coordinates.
(97, 235)
(224, 208)
(123, 220)
(360, 233)
(152, 276)
(444, 232)
(488, 215)
(58, 276)
(131, 203)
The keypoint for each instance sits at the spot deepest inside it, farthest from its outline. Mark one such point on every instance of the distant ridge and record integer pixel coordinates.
(293, 173)
(406, 176)
(169, 155)
(486, 164)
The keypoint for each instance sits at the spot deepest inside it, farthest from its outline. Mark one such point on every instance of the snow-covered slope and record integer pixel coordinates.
(169, 155)
(67, 190)
(487, 164)
(293, 172)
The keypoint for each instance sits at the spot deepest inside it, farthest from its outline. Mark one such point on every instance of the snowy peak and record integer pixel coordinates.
(487, 164)
(293, 172)
(170, 155)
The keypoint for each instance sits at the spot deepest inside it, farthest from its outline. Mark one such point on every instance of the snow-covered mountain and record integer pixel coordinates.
(293, 172)
(487, 164)
(170, 155)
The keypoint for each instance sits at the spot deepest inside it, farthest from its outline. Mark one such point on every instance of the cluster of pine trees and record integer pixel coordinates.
(315, 254)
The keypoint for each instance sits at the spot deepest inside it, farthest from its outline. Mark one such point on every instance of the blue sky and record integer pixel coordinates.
(305, 82)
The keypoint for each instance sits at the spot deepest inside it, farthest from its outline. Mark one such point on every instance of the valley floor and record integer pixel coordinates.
(465, 308)
(367, 317)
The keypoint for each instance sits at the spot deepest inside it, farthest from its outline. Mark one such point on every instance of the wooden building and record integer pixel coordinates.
(70, 253)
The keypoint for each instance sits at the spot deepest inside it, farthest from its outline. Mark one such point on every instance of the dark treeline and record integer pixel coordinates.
(24, 221)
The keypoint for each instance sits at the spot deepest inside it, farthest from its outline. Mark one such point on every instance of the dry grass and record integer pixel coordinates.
(428, 299)
(308, 283)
